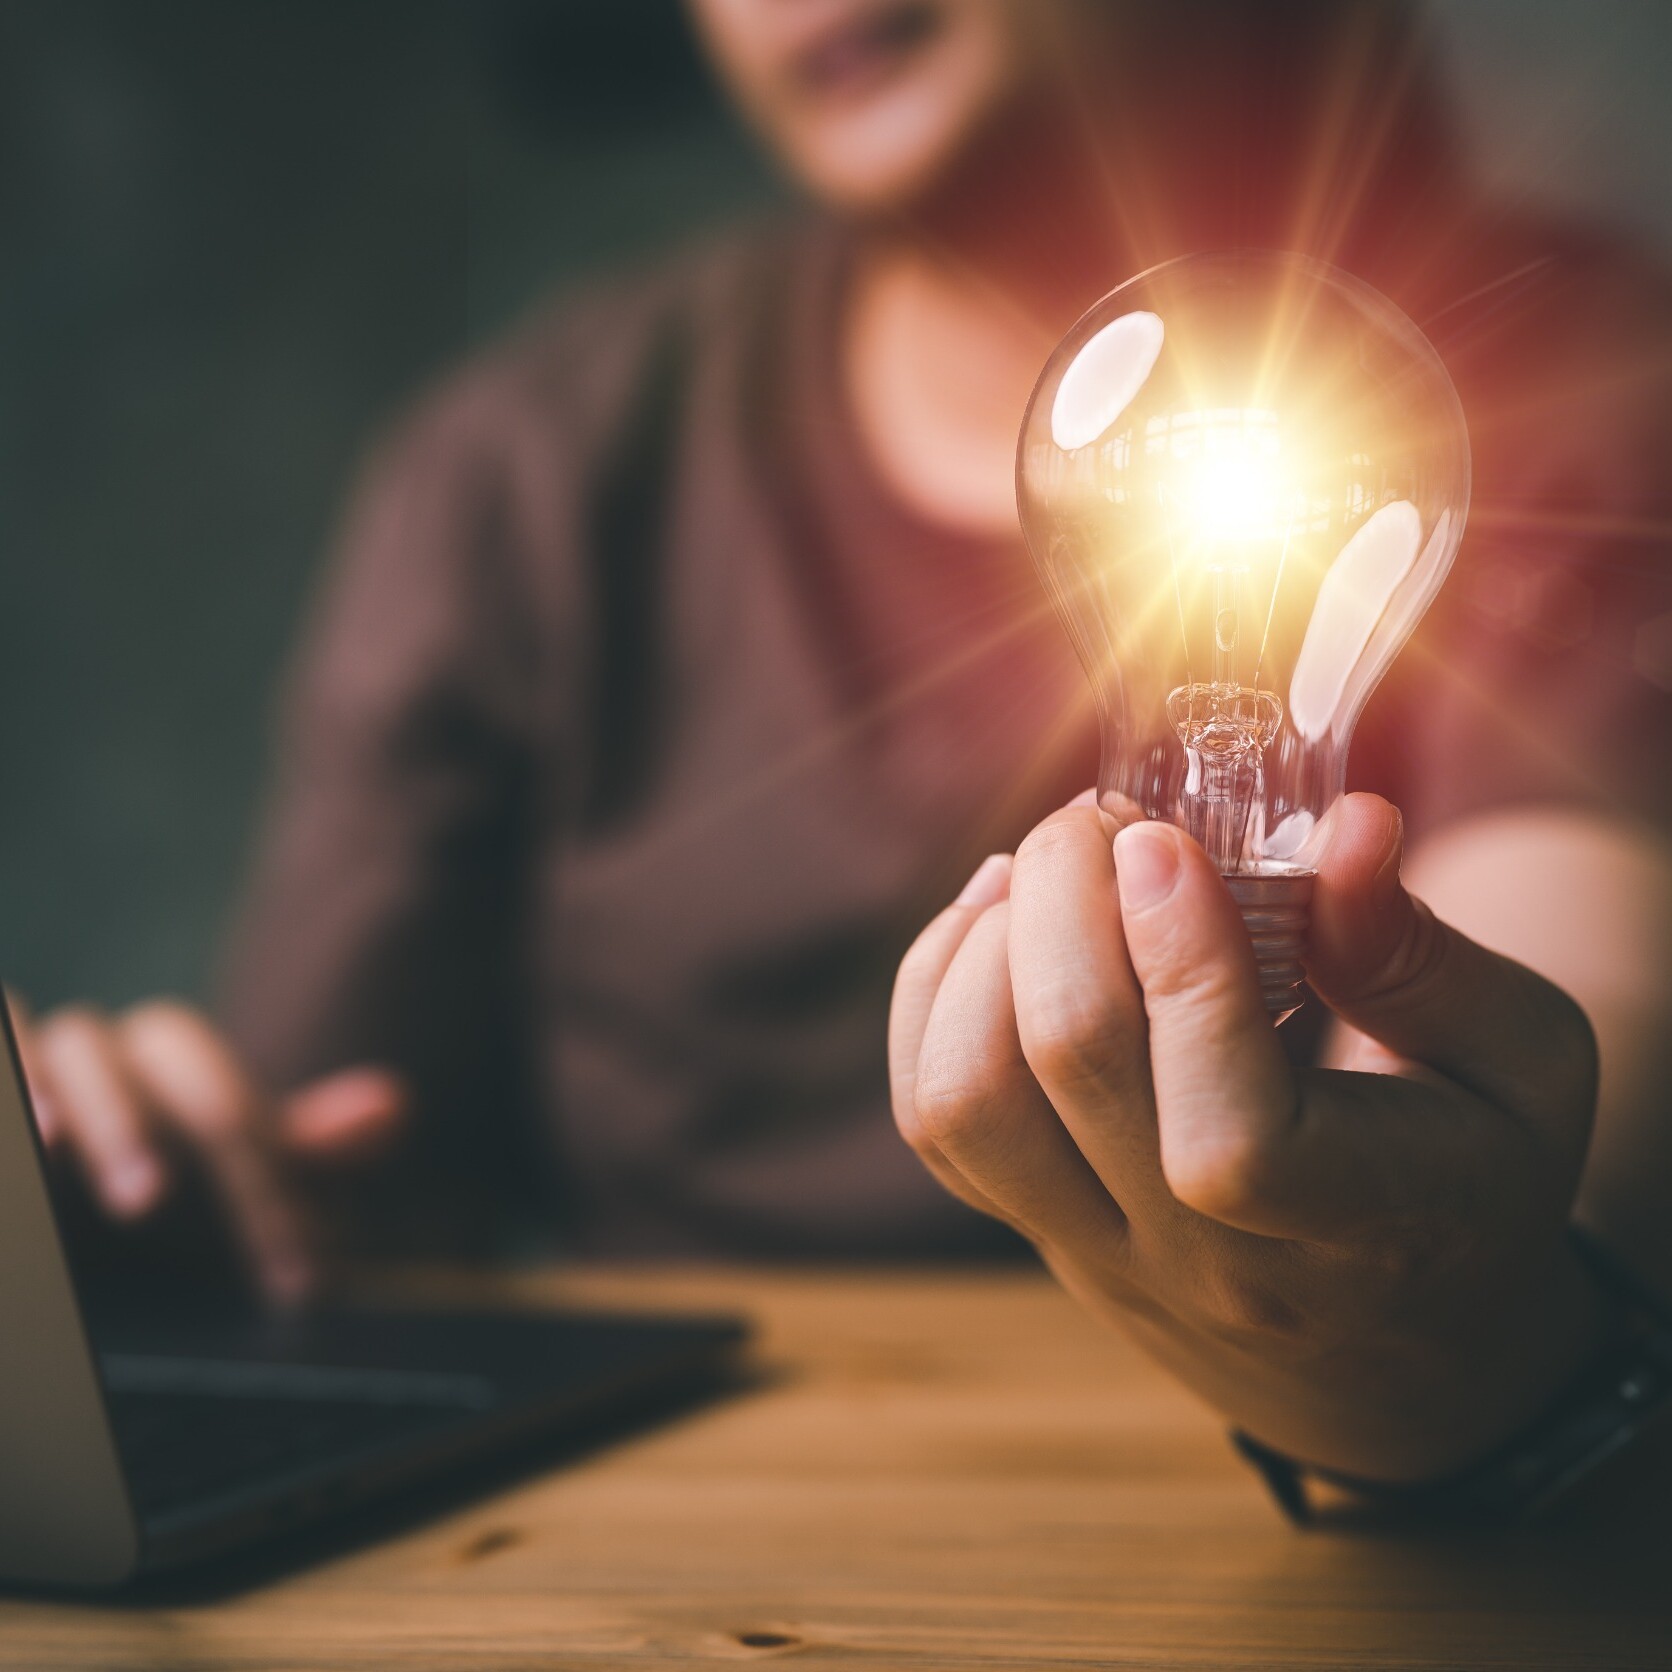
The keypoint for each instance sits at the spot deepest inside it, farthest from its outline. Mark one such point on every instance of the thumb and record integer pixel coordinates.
(349, 1116)
(1385, 964)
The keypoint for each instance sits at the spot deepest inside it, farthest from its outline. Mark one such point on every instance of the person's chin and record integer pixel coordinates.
(883, 160)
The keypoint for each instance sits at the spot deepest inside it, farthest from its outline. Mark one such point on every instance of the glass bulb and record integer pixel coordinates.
(1243, 477)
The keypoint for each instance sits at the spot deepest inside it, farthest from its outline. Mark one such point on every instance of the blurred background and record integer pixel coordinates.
(237, 235)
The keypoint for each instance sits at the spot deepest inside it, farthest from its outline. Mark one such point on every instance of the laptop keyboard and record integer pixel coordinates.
(191, 1431)
(219, 1412)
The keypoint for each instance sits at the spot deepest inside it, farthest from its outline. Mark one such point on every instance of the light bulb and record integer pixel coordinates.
(1243, 477)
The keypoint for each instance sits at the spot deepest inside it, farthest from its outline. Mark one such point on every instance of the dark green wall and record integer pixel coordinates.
(233, 237)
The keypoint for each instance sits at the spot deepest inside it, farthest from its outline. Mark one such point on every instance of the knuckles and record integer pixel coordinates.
(909, 1125)
(161, 1051)
(75, 1027)
(1190, 982)
(1068, 831)
(167, 1022)
(1079, 1039)
(188, 1066)
(950, 1104)
(67, 1045)
(1224, 1177)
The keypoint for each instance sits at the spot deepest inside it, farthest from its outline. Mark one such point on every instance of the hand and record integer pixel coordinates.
(132, 1100)
(1365, 1267)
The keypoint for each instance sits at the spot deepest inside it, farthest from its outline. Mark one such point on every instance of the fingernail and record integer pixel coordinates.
(1086, 798)
(990, 883)
(1146, 866)
(1385, 884)
(133, 1184)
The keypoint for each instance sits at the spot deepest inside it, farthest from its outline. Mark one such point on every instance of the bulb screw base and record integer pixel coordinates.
(1276, 910)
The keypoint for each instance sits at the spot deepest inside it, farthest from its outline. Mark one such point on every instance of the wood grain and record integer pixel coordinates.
(940, 1471)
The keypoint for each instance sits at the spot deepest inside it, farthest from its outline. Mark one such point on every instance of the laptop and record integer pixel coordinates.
(140, 1446)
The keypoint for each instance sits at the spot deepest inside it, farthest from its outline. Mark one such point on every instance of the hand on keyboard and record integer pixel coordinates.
(133, 1100)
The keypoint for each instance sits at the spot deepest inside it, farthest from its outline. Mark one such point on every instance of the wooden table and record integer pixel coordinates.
(942, 1471)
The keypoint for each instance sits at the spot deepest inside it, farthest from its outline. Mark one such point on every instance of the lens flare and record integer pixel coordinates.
(1243, 478)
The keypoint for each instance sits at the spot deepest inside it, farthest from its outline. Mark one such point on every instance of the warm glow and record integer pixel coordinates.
(1231, 499)
(1243, 476)
(1227, 484)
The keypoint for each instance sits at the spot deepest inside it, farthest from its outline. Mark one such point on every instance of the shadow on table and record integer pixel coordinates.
(1596, 1567)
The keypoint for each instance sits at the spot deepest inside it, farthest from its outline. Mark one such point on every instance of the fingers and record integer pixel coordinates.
(124, 1095)
(99, 1112)
(183, 1067)
(979, 1105)
(34, 1070)
(1424, 992)
(1224, 1094)
(1326, 1157)
(921, 972)
(346, 1117)
(924, 967)
(1097, 1051)
(1079, 1011)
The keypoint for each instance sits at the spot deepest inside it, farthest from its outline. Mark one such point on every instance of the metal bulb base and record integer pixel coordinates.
(1276, 910)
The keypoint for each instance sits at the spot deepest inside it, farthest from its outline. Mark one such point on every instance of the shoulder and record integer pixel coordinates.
(1583, 279)
(479, 515)
(1561, 345)
(563, 384)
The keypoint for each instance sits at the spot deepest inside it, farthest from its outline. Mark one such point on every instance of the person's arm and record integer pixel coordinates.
(1370, 1270)
(384, 917)
(132, 1100)
(367, 987)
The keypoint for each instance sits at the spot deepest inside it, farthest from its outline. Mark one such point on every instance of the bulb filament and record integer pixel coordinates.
(1225, 729)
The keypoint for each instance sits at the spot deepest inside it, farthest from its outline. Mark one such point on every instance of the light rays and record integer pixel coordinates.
(1601, 527)
(781, 773)
(1501, 719)
(1354, 128)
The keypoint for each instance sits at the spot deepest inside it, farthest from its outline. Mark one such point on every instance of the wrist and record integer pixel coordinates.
(1425, 1403)
(1624, 1388)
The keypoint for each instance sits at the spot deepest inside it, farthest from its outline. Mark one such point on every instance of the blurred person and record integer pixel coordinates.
(681, 657)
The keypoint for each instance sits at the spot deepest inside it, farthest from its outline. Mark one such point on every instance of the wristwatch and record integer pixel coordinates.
(1619, 1394)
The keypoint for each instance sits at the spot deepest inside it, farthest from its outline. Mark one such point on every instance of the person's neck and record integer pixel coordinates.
(938, 372)
(953, 312)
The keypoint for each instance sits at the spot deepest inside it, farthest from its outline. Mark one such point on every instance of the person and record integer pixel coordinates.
(681, 655)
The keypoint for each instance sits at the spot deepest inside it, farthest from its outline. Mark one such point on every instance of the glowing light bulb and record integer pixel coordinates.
(1243, 478)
